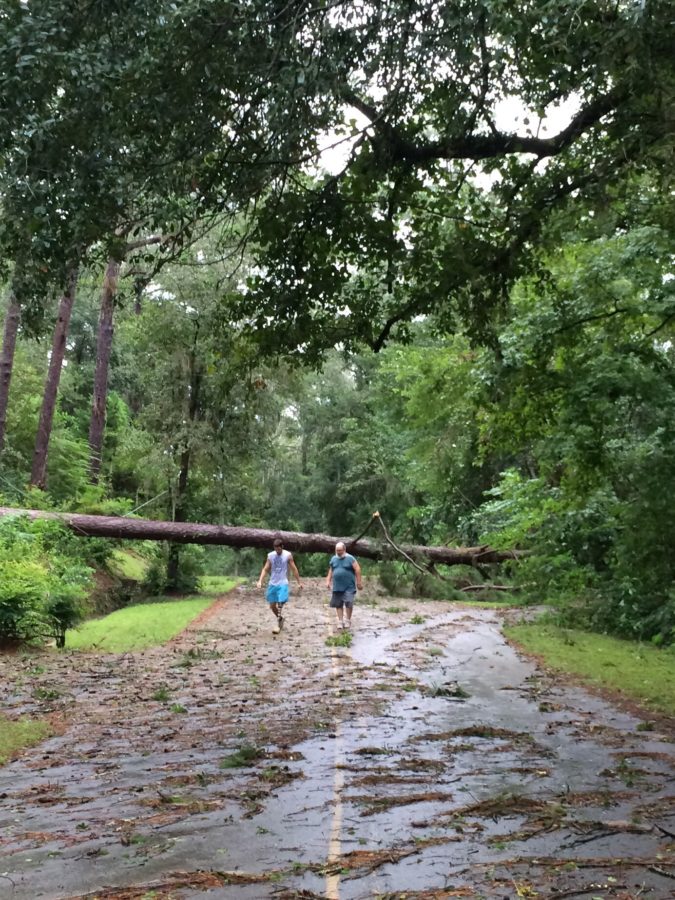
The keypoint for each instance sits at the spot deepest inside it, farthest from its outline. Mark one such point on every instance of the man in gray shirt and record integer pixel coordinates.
(344, 577)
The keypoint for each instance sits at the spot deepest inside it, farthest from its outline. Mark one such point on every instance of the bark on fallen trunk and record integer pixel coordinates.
(236, 536)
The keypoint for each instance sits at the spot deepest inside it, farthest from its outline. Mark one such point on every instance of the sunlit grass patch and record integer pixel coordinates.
(128, 564)
(217, 584)
(508, 602)
(640, 672)
(16, 734)
(137, 627)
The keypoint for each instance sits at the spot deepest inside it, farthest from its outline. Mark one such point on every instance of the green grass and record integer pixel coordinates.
(246, 755)
(640, 672)
(15, 734)
(137, 627)
(128, 564)
(162, 693)
(217, 584)
(344, 639)
(506, 603)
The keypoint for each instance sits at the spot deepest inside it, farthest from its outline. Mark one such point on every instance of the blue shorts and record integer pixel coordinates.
(277, 593)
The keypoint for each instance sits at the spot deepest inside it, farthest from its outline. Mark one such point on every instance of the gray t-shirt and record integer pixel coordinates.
(279, 566)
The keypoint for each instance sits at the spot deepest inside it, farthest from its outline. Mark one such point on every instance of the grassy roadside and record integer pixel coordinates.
(15, 734)
(214, 585)
(146, 624)
(128, 564)
(639, 672)
(132, 628)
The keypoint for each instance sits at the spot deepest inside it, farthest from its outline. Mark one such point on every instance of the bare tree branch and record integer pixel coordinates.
(478, 146)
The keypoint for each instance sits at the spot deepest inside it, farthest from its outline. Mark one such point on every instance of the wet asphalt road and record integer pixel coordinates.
(427, 760)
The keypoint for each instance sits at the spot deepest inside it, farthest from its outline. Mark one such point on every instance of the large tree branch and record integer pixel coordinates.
(479, 146)
(148, 242)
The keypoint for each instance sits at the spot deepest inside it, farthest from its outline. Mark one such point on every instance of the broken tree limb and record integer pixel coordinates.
(238, 536)
(398, 549)
(489, 587)
(362, 533)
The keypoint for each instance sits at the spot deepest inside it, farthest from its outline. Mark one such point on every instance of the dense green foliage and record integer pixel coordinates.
(588, 382)
(44, 580)
(494, 218)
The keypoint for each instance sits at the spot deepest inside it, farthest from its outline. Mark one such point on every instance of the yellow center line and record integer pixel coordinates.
(335, 838)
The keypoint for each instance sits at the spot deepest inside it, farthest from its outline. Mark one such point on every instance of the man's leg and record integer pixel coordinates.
(337, 603)
(272, 597)
(284, 594)
(349, 608)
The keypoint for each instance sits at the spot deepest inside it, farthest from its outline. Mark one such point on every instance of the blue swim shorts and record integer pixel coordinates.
(277, 593)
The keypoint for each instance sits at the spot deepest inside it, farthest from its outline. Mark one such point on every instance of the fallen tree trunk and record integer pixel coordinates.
(236, 536)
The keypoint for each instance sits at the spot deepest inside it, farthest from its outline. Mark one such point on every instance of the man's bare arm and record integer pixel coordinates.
(294, 570)
(265, 568)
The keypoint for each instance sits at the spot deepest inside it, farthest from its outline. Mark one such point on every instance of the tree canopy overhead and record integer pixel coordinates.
(163, 114)
(444, 198)
(489, 181)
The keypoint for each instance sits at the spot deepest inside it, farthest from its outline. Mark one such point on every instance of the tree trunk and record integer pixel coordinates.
(39, 472)
(12, 320)
(239, 536)
(138, 298)
(103, 351)
(173, 562)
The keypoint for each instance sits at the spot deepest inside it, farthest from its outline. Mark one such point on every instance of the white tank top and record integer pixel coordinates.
(279, 563)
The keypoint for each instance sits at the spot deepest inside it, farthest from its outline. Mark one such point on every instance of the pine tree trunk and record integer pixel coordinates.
(103, 351)
(12, 320)
(138, 298)
(173, 562)
(241, 536)
(39, 471)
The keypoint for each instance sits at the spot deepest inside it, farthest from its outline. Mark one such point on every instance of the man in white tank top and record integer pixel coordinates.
(277, 564)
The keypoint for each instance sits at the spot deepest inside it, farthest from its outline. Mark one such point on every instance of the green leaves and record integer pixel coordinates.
(43, 580)
(587, 387)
